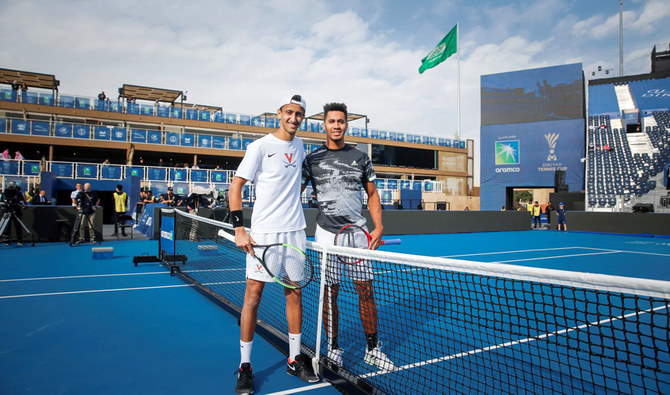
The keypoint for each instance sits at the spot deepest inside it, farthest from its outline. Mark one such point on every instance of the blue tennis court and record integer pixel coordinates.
(72, 324)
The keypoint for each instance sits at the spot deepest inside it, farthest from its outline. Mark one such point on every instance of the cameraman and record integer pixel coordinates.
(87, 203)
(12, 203)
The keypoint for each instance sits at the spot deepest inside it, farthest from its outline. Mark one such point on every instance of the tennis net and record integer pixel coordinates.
(450, 325)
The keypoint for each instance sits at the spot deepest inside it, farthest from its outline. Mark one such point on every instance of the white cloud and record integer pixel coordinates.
(654, 16)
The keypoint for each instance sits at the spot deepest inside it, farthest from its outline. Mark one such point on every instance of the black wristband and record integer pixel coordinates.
(236, 218)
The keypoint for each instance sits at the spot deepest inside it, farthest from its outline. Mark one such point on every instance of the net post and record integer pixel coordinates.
(319, 314)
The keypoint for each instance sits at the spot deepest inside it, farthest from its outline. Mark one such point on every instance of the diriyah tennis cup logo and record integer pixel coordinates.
(507, 152)
(552, 138)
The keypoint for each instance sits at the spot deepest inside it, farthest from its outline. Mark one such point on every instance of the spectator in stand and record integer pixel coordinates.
(171, 199)
(149, 197)
(547, 212)
(105, 162)
(195, 166)
(139, 206)
(102, 96)
(15, 85)
(30, 194)
(467, 208)
(536, 212)
(41, 199)
(160, 162)
(74, 194)
(24, 88)
(502, 208)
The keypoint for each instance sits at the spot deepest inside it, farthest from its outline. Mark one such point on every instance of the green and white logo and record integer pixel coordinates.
(507, 152)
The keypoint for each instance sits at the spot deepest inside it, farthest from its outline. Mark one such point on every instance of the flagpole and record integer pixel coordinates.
(458, 83)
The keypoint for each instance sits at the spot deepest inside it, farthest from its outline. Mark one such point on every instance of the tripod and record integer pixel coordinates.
(77, 224)
(8, 216)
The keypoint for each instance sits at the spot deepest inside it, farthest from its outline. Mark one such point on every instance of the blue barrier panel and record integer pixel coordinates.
(381, 184)
(425, 140)
(383, 135)
(303, 126)
(230, 118)
(462, 144)
(163, 111)
(405, 184)
(234, 144)
(146, 109)
(156, 173)
(30, 97)
(63, 130)
(178, 175)
(400, 137)
(115, 106)
(314, 127)
(147, 221)
(447, 143)
(135, 171)
(188, 139)
(82, 103)
(3, 125)
(172, 138)
(101, 105)
(393, 136)
(139, 136)
(40, 128)
(391, 184)
(46, 99)
(133, 108)
(441, 142)
(218, 142)
(416, 185)
(433, 141)
(20, 126)
(191, 114)
(198, 175)
(245, 120)
(271, 122)
(364, 133)
(82, 132)
(428, 186)
(7, 95)
(64, 170)
(246, 142)
(87, 171)
(218, 117)
(374, 134)
(154, 137)
(31, 168)
(9, 167)
(203, 115)
(119, 134)
(176, 112)
(219, 176)
(111, 172)
(204, 141)
(355, 132)
(66, 101)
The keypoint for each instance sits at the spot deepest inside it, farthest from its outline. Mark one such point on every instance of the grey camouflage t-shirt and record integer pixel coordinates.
(337, 177)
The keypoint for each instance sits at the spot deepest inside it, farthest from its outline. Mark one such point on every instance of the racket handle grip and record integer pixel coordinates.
(390, 241)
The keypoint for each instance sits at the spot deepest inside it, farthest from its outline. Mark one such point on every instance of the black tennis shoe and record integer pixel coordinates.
(302, 367)
(245, 383)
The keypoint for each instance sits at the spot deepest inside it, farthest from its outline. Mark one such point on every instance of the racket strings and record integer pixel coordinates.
(288, 265)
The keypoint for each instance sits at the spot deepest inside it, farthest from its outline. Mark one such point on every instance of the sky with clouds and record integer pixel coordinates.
(245, 55)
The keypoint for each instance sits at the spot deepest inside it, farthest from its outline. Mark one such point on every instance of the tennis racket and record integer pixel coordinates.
(354, 236)
(288, 265)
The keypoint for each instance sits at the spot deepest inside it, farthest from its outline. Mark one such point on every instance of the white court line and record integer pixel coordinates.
(512, 343)
(302, 389)
(559, 256)
(115, 290)
(513, 252)
(80, 276)
(111, 275)
(631, 252)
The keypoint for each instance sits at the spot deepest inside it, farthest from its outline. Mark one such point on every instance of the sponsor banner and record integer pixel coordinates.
(520, 155)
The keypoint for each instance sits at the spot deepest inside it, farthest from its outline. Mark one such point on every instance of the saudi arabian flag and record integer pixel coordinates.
(441, 52)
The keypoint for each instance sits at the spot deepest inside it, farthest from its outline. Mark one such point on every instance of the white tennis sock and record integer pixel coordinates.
(294, 345)
(245, 351)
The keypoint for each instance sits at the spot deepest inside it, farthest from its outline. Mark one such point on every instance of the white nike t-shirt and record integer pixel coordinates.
(274, 166)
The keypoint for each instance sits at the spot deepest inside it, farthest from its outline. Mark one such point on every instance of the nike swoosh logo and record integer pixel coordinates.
(271, 155)
(291, 367)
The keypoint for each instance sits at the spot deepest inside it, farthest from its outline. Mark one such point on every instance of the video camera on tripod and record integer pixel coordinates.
(11, 203)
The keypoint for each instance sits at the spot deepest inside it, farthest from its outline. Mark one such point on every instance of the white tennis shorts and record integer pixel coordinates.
(361, 271)
(255, 269)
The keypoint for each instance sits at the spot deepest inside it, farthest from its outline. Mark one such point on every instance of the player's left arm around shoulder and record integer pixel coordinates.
(375, 207)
